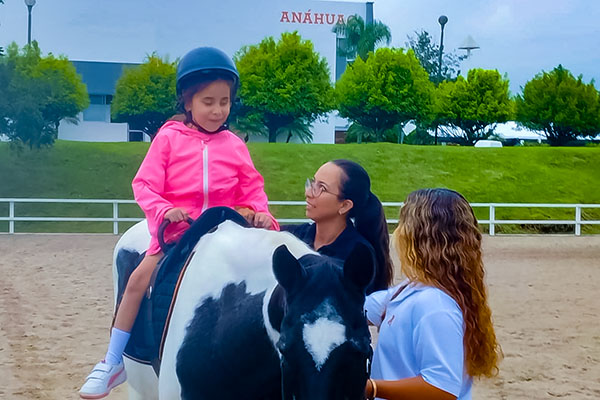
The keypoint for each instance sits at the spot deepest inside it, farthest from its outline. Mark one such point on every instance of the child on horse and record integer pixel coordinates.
(194, 162)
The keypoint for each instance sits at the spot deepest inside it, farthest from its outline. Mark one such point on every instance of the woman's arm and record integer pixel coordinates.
(376, 304)
(406, 389)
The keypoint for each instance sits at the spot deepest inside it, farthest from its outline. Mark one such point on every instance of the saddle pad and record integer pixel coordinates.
(148, 331)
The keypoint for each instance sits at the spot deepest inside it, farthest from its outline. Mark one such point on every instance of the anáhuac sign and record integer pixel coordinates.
(308, 17)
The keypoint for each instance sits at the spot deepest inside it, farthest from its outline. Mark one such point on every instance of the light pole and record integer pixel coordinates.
(442, 20)
(29, 4)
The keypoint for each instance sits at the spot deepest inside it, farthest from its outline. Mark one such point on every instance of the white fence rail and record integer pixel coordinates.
(577, 220)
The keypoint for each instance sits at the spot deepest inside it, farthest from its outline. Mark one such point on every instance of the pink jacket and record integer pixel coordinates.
(193, 170)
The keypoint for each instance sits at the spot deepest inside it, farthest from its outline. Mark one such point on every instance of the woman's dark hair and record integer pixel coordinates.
(369, 219)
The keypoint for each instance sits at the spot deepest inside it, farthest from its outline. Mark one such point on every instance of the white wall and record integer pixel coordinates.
(90, 131)
(93, 131)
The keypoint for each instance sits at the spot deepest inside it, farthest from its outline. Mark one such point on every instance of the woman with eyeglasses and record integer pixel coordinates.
(345, 212)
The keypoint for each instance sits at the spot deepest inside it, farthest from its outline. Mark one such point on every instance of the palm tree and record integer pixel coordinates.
(361, 38)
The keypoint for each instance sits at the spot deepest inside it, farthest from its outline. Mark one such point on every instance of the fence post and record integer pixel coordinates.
(577, 220)
(492, 220)
(115, 218)
(11, 215)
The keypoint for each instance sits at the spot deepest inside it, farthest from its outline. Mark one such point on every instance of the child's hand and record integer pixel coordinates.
(177, 214)
(247, 213)
(263, 220)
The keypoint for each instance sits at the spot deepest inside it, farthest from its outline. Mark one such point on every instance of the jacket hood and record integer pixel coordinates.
(182, 128)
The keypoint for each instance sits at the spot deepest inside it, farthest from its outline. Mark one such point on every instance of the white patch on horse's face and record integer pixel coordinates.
(323, 335)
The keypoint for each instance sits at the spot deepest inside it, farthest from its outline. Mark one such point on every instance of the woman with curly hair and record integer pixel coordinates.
(435, 328)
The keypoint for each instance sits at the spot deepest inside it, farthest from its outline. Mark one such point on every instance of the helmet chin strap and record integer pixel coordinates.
(191, 120)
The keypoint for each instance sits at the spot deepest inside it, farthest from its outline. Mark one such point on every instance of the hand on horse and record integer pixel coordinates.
(247, 213)
(262, 220)
(177, 214)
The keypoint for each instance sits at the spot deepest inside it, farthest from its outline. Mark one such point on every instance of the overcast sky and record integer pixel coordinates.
(517, 37)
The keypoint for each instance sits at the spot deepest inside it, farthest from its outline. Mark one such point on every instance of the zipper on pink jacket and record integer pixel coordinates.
(205, 177)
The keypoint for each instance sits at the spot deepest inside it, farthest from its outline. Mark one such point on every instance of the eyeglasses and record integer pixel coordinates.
(314, 189)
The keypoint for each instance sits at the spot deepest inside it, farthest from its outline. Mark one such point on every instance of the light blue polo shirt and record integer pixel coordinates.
(421, 334)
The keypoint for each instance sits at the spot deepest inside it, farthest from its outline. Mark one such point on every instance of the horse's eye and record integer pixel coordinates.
(282, 347)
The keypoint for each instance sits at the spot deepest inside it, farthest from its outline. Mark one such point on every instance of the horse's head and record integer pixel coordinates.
(325, 341)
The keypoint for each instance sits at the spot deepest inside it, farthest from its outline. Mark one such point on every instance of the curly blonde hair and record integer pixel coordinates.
(439, 244)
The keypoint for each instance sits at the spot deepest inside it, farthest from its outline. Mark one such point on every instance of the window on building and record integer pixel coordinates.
(99, 109)
(97, 99)
(136, 135)
(103, 99)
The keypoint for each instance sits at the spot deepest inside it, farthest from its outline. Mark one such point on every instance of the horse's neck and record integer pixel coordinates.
(276, 308)
(273, 311)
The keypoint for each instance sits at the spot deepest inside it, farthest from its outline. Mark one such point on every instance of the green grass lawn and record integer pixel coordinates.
(501, 175)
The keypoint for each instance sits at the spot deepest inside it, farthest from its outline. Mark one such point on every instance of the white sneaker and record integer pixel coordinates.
(103, 378)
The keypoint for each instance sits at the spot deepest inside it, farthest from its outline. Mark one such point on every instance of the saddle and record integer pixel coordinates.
(150, 327)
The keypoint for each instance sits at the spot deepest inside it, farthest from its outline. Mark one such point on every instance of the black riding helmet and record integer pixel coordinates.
(205, 61)
(204, 64)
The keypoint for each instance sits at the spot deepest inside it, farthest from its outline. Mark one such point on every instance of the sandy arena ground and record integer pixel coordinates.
(56, 304)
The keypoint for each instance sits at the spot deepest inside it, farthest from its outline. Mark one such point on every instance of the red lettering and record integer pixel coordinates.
(307, 18)
(311, 18)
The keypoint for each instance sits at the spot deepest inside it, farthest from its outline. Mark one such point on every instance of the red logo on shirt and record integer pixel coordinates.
(391, 320)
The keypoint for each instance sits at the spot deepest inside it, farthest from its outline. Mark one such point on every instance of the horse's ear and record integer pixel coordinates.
(286, 268)
(359, 267)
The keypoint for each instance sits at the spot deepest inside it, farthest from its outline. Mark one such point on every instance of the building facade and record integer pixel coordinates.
(103, 38)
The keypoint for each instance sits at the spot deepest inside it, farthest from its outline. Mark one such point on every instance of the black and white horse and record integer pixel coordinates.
(259, 315)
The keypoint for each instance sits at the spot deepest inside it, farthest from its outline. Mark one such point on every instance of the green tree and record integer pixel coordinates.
(472, 107)
(244, 122)
(360, 38)
(357, 133)
(388, 89)
(560, 105)
(427, 52)
(1, 48)
(145, 95)
(39, 92)
(419, 136)
(283, 83)
(6, 73)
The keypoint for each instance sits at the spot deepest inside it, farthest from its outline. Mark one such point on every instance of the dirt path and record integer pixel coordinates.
(56, 304)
